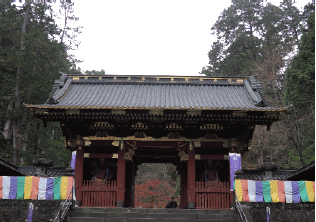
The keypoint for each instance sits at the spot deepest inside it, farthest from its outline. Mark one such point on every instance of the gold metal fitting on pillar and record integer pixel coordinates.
(122, 144)
(191, 145)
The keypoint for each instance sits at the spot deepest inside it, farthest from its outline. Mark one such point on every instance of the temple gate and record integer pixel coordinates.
(116, 123)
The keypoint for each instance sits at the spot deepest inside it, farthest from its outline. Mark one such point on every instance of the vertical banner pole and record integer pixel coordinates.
(73, 160)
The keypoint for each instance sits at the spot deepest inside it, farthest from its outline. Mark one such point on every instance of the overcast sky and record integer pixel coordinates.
(147, 37)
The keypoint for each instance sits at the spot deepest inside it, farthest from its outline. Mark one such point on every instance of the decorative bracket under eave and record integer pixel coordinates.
(131, 151)
(76, 143)
(183, 156)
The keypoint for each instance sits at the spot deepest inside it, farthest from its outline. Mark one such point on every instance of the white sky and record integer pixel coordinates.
(147, 37)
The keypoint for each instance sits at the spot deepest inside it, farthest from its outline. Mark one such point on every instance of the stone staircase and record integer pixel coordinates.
(145, 215)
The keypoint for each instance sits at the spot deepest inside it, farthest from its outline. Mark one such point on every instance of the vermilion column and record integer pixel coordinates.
(79, 175)
(129, 184)
(191, 179)
(184, 185)
(121, 168)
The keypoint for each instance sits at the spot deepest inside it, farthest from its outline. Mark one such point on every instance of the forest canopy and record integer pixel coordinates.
(277, 45)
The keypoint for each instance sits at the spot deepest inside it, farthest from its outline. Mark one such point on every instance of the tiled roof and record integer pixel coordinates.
(51, 171)
(307, 172)
(150, 92)
(8, 169)
(260, 174)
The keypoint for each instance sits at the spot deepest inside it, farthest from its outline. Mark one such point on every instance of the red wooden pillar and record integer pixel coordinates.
(79, 175)
(130, 183)
(191, 179)
(121, 168)
(183, 185)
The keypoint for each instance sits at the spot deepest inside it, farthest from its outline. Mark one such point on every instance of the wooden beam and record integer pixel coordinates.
(211, 157)
(100, 155)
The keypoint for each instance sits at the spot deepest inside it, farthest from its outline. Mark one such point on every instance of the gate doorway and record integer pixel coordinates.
(155, 185)
(152, 178)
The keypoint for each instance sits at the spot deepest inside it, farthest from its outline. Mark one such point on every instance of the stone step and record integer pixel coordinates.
(153, 215)
(151, 210)
(143, 214)
(125, 219)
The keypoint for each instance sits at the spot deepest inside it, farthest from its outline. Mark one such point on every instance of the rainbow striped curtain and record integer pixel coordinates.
(35, 188)
(275, 191)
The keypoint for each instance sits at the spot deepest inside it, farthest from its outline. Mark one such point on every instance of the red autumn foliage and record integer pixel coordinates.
(153, 192)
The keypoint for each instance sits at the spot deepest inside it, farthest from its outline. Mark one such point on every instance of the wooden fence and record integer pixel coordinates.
(99, 193)
(213, 195)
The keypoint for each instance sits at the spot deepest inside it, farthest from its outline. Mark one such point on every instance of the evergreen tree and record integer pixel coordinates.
(254, 39)
(246, 35)
(300, 96)
(300, 75)
(30, 60)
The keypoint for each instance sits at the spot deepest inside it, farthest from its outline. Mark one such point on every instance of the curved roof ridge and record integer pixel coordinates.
(59, 93)
(256, 85)
(254, 96)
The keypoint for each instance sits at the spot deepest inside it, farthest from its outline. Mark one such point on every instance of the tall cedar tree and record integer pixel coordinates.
(255, 39)
(300, 95)
(30, 60)
(247, 33)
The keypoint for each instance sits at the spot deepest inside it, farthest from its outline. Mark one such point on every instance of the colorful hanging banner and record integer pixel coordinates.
(35, 188)
(288, 191)
(252, 190)
(275, 191)
(235, 164)
(13, 187)
(73, 160)
(6, 187)
(259, 191)
(310, 188)
(28, 187)
(1, 189)
(238, 190)
(296, 192)
(266, 191)
(244, 187)
(56, 188)
(281, 191)
(42, 188)
(20, 188)
(70, 185)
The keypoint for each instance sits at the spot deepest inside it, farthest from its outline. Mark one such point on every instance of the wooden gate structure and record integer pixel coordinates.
(115, 123)
(213, 195)
(99, 194)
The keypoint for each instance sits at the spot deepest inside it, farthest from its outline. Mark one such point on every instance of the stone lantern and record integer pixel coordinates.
(41, 165)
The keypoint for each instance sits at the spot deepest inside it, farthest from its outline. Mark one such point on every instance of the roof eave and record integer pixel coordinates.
(259, 109)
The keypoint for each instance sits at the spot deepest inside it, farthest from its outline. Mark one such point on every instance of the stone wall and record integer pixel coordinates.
(280, 212)
(17, 210)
